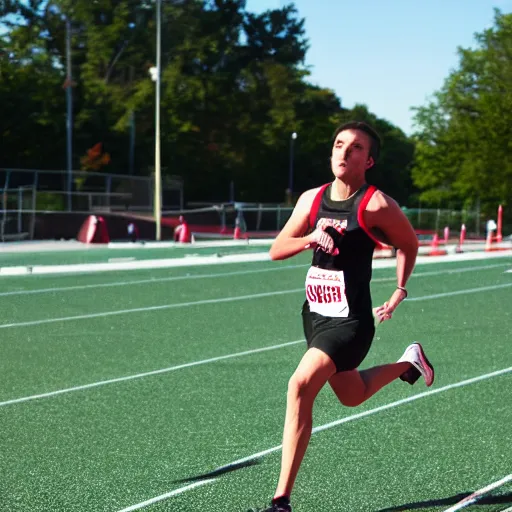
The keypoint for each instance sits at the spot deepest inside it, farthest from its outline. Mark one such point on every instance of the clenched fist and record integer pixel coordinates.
(319, 238)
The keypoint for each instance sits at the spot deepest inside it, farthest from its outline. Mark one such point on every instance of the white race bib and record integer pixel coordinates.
(325, 292)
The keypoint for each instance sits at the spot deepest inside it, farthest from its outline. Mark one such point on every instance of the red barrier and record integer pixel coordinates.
(93, 231)
(435, 251)
(461, 238)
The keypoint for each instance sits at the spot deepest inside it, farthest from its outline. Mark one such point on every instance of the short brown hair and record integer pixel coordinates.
(366, 128)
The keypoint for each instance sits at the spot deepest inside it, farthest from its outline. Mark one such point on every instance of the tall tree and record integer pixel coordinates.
(28, 72)
(234, 89)
(463, 153)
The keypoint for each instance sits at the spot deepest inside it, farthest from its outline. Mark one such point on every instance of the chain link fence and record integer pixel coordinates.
(27, 193)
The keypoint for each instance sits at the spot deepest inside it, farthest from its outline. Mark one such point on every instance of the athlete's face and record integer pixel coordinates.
(350, 154)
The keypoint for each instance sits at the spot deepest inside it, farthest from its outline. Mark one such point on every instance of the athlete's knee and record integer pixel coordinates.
(299, 386)
(349, 394)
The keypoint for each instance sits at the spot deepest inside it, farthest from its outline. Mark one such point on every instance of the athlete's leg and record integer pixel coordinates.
(354, 387)
(311, 375)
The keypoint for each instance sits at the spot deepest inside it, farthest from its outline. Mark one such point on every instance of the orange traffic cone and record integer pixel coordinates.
(461, 238)
(237, 234)
(488, 242)
(446, 235)
(499, 236)
(435, 251)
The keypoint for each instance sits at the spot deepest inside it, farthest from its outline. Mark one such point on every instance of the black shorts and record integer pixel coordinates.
(346, 341)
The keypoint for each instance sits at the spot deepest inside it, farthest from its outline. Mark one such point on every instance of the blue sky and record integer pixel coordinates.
(389, 54)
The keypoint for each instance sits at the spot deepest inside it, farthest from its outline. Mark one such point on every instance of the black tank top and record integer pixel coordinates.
(345, 224)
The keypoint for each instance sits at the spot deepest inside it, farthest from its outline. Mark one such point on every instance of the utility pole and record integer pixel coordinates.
(158, 177)
(68, 85)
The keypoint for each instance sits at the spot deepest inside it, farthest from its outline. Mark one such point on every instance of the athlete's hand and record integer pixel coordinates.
(319, 238)
(385, 312)
(382, 313)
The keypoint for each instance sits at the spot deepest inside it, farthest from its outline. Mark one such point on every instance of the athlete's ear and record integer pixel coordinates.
(370, 163)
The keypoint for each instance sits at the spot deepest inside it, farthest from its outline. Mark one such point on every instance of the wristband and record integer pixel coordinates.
(403, 289)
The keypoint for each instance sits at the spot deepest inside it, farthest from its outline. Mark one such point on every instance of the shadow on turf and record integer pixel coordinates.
(218, 472)
(503, 499)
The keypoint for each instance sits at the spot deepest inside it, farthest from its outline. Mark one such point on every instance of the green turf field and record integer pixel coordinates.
(117, 387)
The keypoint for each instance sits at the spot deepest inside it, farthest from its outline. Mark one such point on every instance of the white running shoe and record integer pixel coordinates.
(421, 366)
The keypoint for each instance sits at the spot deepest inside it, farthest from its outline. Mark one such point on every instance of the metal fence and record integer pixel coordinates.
(27, 192)
(272, 217)
(253, 217)
(436, 219)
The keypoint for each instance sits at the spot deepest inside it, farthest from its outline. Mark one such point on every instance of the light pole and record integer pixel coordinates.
(68, 85)
(290, 175)
(155, 76)
(131, 153)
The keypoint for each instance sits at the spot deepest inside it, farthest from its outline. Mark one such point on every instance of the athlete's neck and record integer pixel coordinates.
(341, 190)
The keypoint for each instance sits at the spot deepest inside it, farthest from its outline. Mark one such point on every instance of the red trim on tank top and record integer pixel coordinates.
(317, 201)
(362, 206)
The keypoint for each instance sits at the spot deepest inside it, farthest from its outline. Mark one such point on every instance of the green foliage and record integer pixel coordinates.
(463, 145)
(234, 89)
(31, 127)
(50, 201)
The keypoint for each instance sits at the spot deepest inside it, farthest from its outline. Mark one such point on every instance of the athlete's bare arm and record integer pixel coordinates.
(292, 240)
(388, 222)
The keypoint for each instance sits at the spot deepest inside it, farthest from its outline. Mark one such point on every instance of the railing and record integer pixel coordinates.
(51, 188)
(436, 219)
(218, 218)
(14, 224)
(27, 192)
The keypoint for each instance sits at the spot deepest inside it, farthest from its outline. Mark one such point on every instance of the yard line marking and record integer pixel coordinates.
(326, 427)
(168, 495)
(185, 365)
(457, 270)
(439, 272)
(472, 498)
(152, 308)
(461, 292)
(224, 274)
(225, 299)
(153, 372)
(146, 281)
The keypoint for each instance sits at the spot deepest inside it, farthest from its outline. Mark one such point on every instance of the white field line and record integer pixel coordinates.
(461, 292)
(185, 365)
(194, 260)
(224, 274)
(320, 429)
(223, 299)
(162, 497)
(152, 308)
(196, 245)
(472, 498)
(147, 374)
(153, 280)
(75, 268)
